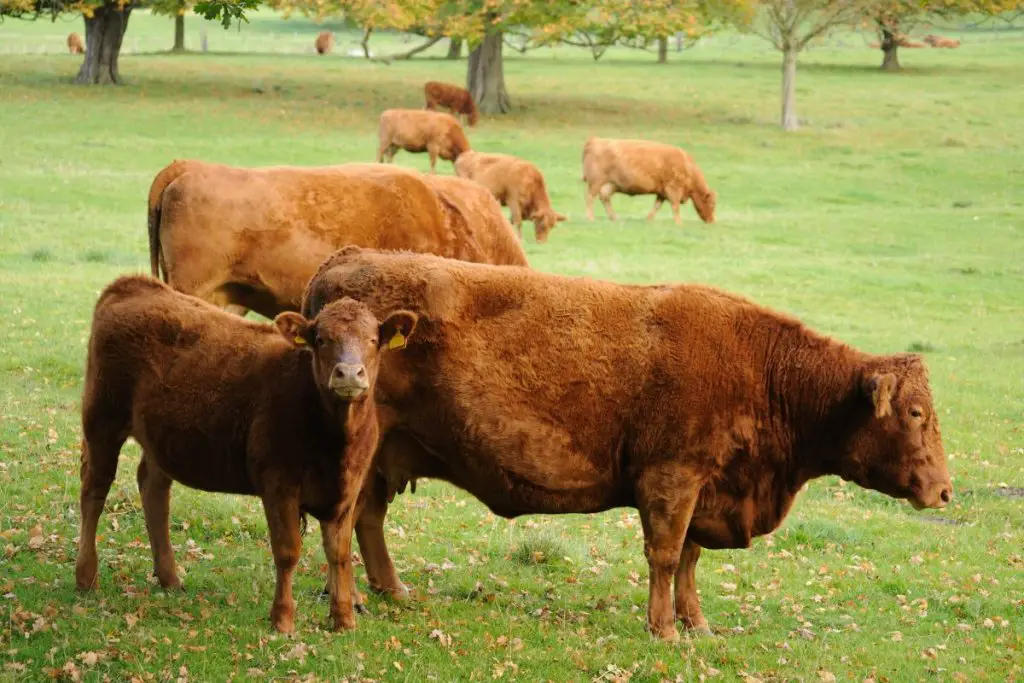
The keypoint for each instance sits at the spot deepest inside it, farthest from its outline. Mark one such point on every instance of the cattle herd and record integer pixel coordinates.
(410, 339)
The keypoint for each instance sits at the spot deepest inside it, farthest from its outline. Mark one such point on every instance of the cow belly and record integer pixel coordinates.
(198, 461)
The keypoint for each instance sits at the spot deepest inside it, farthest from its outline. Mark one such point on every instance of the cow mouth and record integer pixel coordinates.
(348, 391)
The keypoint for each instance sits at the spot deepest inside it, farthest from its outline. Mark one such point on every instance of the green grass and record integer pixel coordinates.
(894, 220)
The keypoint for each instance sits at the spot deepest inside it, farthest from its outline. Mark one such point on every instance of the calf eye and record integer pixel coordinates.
(916, 413)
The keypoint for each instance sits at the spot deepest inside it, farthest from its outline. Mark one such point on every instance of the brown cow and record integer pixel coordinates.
(250, 238)
(472, 210)
(324, 42)
(221, 404)
(617, 395)
(414, 130)
(910, 43)
(75, 45)
(451, 97)
(640, 167)
(515, 183)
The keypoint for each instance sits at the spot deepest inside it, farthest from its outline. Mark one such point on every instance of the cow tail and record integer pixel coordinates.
(156, 253)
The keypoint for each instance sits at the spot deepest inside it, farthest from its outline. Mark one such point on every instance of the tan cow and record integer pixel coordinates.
(415, 130)
(641, 167)
(221, 404)
(458, 100)
(515, 183)
(708, 413)
(324, 42)
(75, 45)
(250, 238)
(941, 41)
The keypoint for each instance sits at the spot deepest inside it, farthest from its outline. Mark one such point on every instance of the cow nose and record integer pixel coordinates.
(946, 495)
(348, 380)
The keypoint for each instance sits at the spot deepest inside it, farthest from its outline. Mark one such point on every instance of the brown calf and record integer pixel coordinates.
(75, 45)
(641, 167)
(515, 183)
(324, 42)
(451, 97)
(701, 409)
(415, 130)
(221, 404)
(250, 238)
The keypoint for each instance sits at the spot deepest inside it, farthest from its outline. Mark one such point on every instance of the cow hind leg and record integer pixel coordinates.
(380, 571)
(282, 511)
(605, 193)
(155, 489)
(666, 498)
(687, 601)
(100, 451)
(591, 193)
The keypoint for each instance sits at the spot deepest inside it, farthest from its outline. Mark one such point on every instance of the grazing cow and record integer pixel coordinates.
(640, 167)
(414, 130)
(703, 410)
(324, 42)
(221, 404)
(515, 183)
(250, 238)
(908, 42)
(471, 210)
(75, 45)
(451, 97)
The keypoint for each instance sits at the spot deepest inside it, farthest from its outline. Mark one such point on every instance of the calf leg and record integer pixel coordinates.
(155, 489)
(657, 205)
(380, 571)
(282, 510)
(687, 602)
(517, 217)
(337, 537)
(606, 192)
(99, 468)
(666, 498)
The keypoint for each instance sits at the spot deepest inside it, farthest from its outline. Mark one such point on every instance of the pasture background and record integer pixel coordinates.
(894, 221)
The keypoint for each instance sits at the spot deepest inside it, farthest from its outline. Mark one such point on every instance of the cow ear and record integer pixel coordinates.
(881, 389)
(294, 327)
(560, 217)
(396, 329)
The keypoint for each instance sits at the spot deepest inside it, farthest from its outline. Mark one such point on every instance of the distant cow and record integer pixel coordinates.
(471, 210)
(515, 183)
(75, 45)
(415, 130)
(451, 97)
(640, 167)
(250, 238)
(941, 41)
(221, 404)
(908, 42)
(706, 412)
(324, 42)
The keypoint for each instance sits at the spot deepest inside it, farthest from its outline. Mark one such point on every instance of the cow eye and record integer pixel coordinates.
(916, 413)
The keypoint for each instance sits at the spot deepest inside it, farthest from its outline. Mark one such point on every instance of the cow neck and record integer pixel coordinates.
(346, 420)
(815, 391)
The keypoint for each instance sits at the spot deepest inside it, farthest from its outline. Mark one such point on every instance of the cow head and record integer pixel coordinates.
(346, 343)
(704, 201)
(898, 449)
(544, 222)
(457, 144)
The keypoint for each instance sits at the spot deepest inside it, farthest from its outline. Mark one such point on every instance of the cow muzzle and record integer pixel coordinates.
(349, 380)
(938, 497)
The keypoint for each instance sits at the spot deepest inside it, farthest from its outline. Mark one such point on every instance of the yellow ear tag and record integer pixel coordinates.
(397, 342)
(300, 341)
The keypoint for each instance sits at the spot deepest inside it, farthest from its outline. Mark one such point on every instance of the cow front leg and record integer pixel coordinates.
(666, 498)
(654, 210)
(337, 538)
(687, 602)
(380, 571)
(282, 512)
(517, 217)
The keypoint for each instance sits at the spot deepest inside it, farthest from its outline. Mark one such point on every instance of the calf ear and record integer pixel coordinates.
(395, 330)
(881, 389)
(294, 327)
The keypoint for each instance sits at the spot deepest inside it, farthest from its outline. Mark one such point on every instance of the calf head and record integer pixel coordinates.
(346, 343)
(898, 450)
(544, 222)
(704, 201)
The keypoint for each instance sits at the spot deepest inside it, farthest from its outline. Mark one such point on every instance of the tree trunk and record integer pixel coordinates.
(104, 31)
(454, 48)
(789, 118)
(486, 76)
(179, 32)
(890, 46)
(662, 50)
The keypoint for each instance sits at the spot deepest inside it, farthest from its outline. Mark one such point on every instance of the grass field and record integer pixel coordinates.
(894, 220)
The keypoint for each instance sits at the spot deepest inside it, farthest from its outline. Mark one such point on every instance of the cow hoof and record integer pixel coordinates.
(342, 623)
(282, 618)
(171, 584)
(87, 584)
(668, 634)
(699, 631)
(361, 609)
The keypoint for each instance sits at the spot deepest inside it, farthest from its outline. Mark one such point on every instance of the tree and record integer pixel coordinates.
(179, 26)
(791, 24)
(895, 19)
(106, 22)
